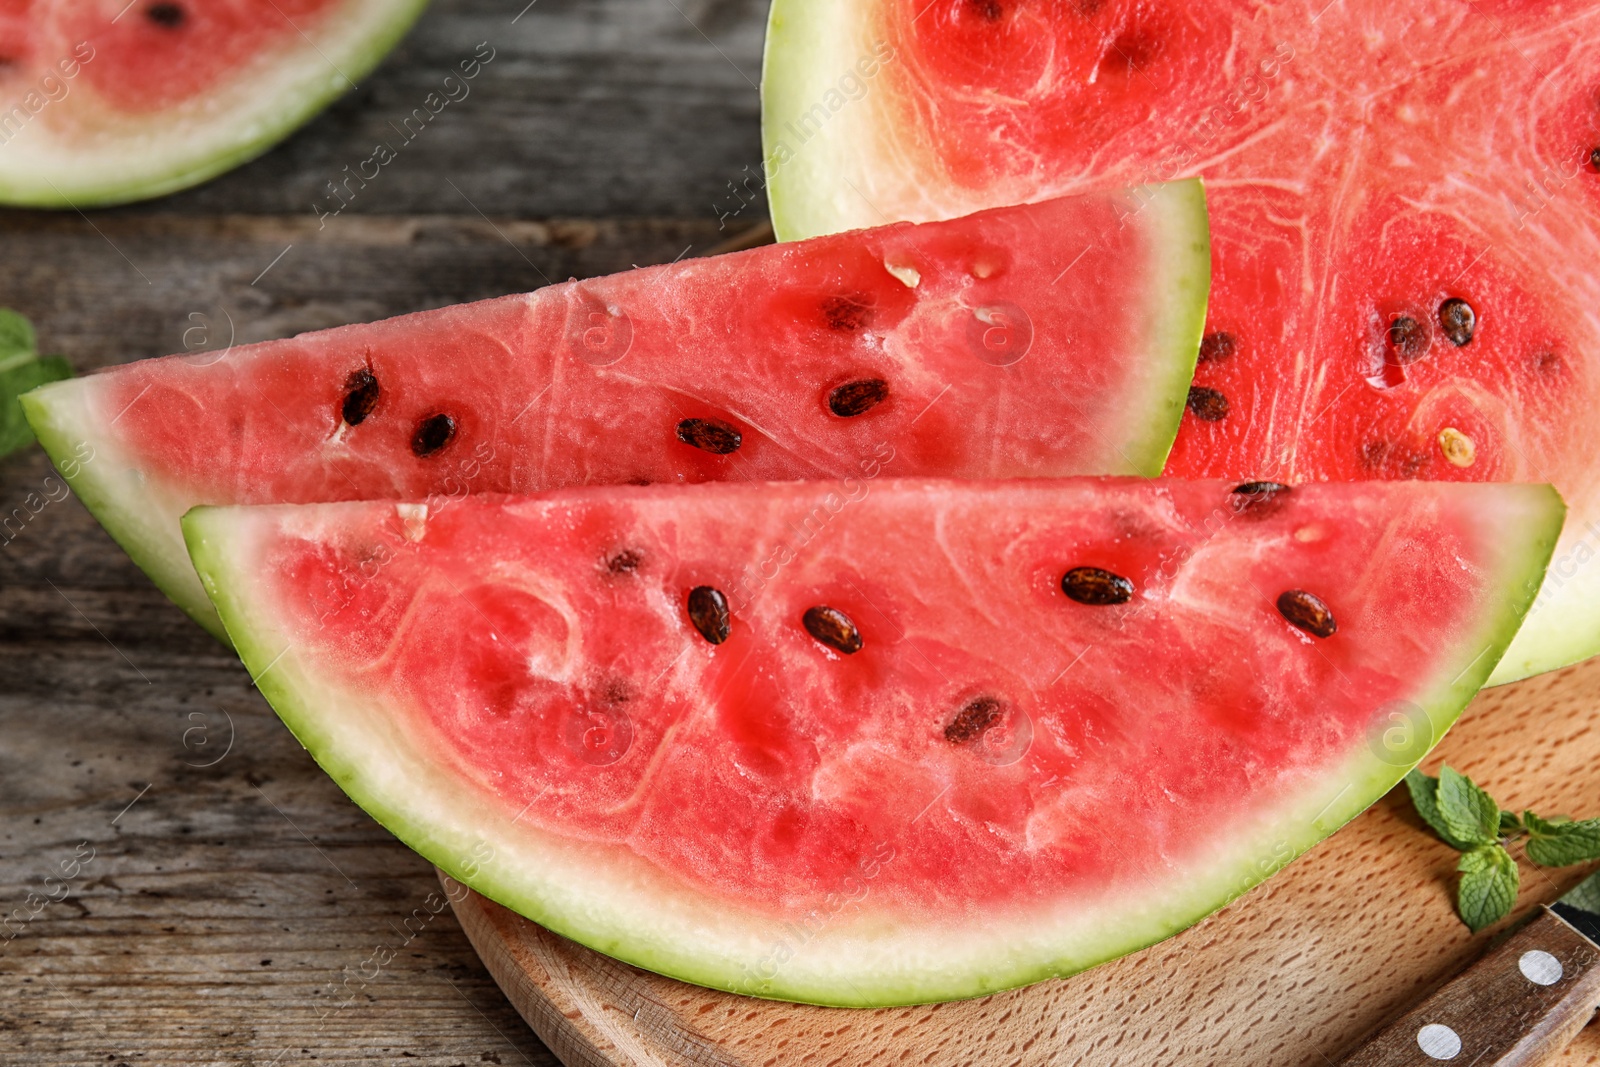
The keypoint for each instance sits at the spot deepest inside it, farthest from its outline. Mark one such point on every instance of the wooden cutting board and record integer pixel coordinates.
(1294, 973)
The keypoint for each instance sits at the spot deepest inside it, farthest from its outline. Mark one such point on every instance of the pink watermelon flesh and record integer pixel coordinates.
(1000, 783)
(1367, 163)
(110, 100)
(961, 349)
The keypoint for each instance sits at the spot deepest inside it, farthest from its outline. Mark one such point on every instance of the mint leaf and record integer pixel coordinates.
(16, 336)
(1469, 813)
(1562, 842)
(1587, 895)
(1510, 825)
(21, 369)
(1488, 889)
(1424, 791)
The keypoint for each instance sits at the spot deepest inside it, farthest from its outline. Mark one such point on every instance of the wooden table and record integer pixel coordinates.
(235, 898)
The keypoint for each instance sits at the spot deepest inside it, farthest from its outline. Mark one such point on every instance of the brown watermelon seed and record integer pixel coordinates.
(167, 16)
(710, 435)
(1594, 158)
(1208, 405)
(833, 628)
(1408, 338)
(360, 396)
(625, 562)
(1216, 347)
(972, 720)
(1257, 497)
(1091, 585)
(1457, 320)
(1547, 363)
(847, 314)
(432, 434)
(1307, 612)
(858, 397)
(988, 9)
(708, 611)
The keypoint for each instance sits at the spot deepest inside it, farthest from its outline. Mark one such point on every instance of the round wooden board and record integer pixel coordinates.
(1295, 973)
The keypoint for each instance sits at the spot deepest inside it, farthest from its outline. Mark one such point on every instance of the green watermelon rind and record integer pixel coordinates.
(374, 38)
(643, 928)
(112, 492)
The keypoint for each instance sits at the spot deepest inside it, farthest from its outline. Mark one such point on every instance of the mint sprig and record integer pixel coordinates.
(1467, 819)
(21, 369)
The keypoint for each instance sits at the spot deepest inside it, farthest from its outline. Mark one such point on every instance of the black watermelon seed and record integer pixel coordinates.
(1457, 320)
(1091, 585)
(1594, 158)
(625, 562)
(987, 9)
(1408, 338)
(360, 396)
(975, 717)
(708, 611)
(1216, 347)
(167, 16)
(1258, 498)
(833, 628)
(858, 397)
(432, 434)
(847, 314)
(1208, 405)
(1308, 612)
(710, 435)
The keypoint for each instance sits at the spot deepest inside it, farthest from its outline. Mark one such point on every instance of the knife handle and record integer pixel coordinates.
(1521, 1003)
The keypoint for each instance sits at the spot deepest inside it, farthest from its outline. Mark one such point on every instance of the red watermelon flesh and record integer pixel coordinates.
(1369, 164)
(109, 100)
(961, 348)
(923, 755)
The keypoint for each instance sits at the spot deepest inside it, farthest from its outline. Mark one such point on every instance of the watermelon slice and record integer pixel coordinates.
(105, 101)
(976, 348)
(1405, 198)
(875, 741)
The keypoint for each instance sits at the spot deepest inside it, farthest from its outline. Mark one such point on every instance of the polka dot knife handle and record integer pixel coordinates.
(1520, 1004)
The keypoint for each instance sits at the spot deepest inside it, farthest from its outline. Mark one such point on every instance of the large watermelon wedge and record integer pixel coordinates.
(975, 348)
(104, 101)
(875, 741)
(1405, 202)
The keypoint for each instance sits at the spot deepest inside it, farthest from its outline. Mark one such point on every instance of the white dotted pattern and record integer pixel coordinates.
(1540, 967)
(1439, 1042)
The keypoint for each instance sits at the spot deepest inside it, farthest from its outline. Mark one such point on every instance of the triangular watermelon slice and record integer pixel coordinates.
(104, 101)
(1405, 203)
(876, 741)
(983, 347)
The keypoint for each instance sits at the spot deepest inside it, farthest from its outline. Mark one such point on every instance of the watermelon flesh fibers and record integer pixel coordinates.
(1405, 202)
(947, 738)
(103, 101)
(977, 348)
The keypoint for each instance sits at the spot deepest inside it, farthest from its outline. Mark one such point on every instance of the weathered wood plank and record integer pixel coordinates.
(589, 107)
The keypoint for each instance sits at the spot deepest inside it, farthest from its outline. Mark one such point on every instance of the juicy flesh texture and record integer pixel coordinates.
(144, 56)
(1365, 161)
(541, 649)
(588, 382)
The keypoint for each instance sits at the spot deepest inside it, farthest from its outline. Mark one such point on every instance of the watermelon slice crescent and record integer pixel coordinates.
(105, 101)
(1405, 209)
(914, 768)
(984, 347)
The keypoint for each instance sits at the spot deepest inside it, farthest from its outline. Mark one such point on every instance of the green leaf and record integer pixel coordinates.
(1488, 889)
(1510, 825)
(16, 337)
(1424, 791)
(1586, 895)
(1561, 842)
(1470, 814)
(21, 369)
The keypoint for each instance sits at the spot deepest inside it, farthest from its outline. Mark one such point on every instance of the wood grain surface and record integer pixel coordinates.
(1294, 974)
(238, 909)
